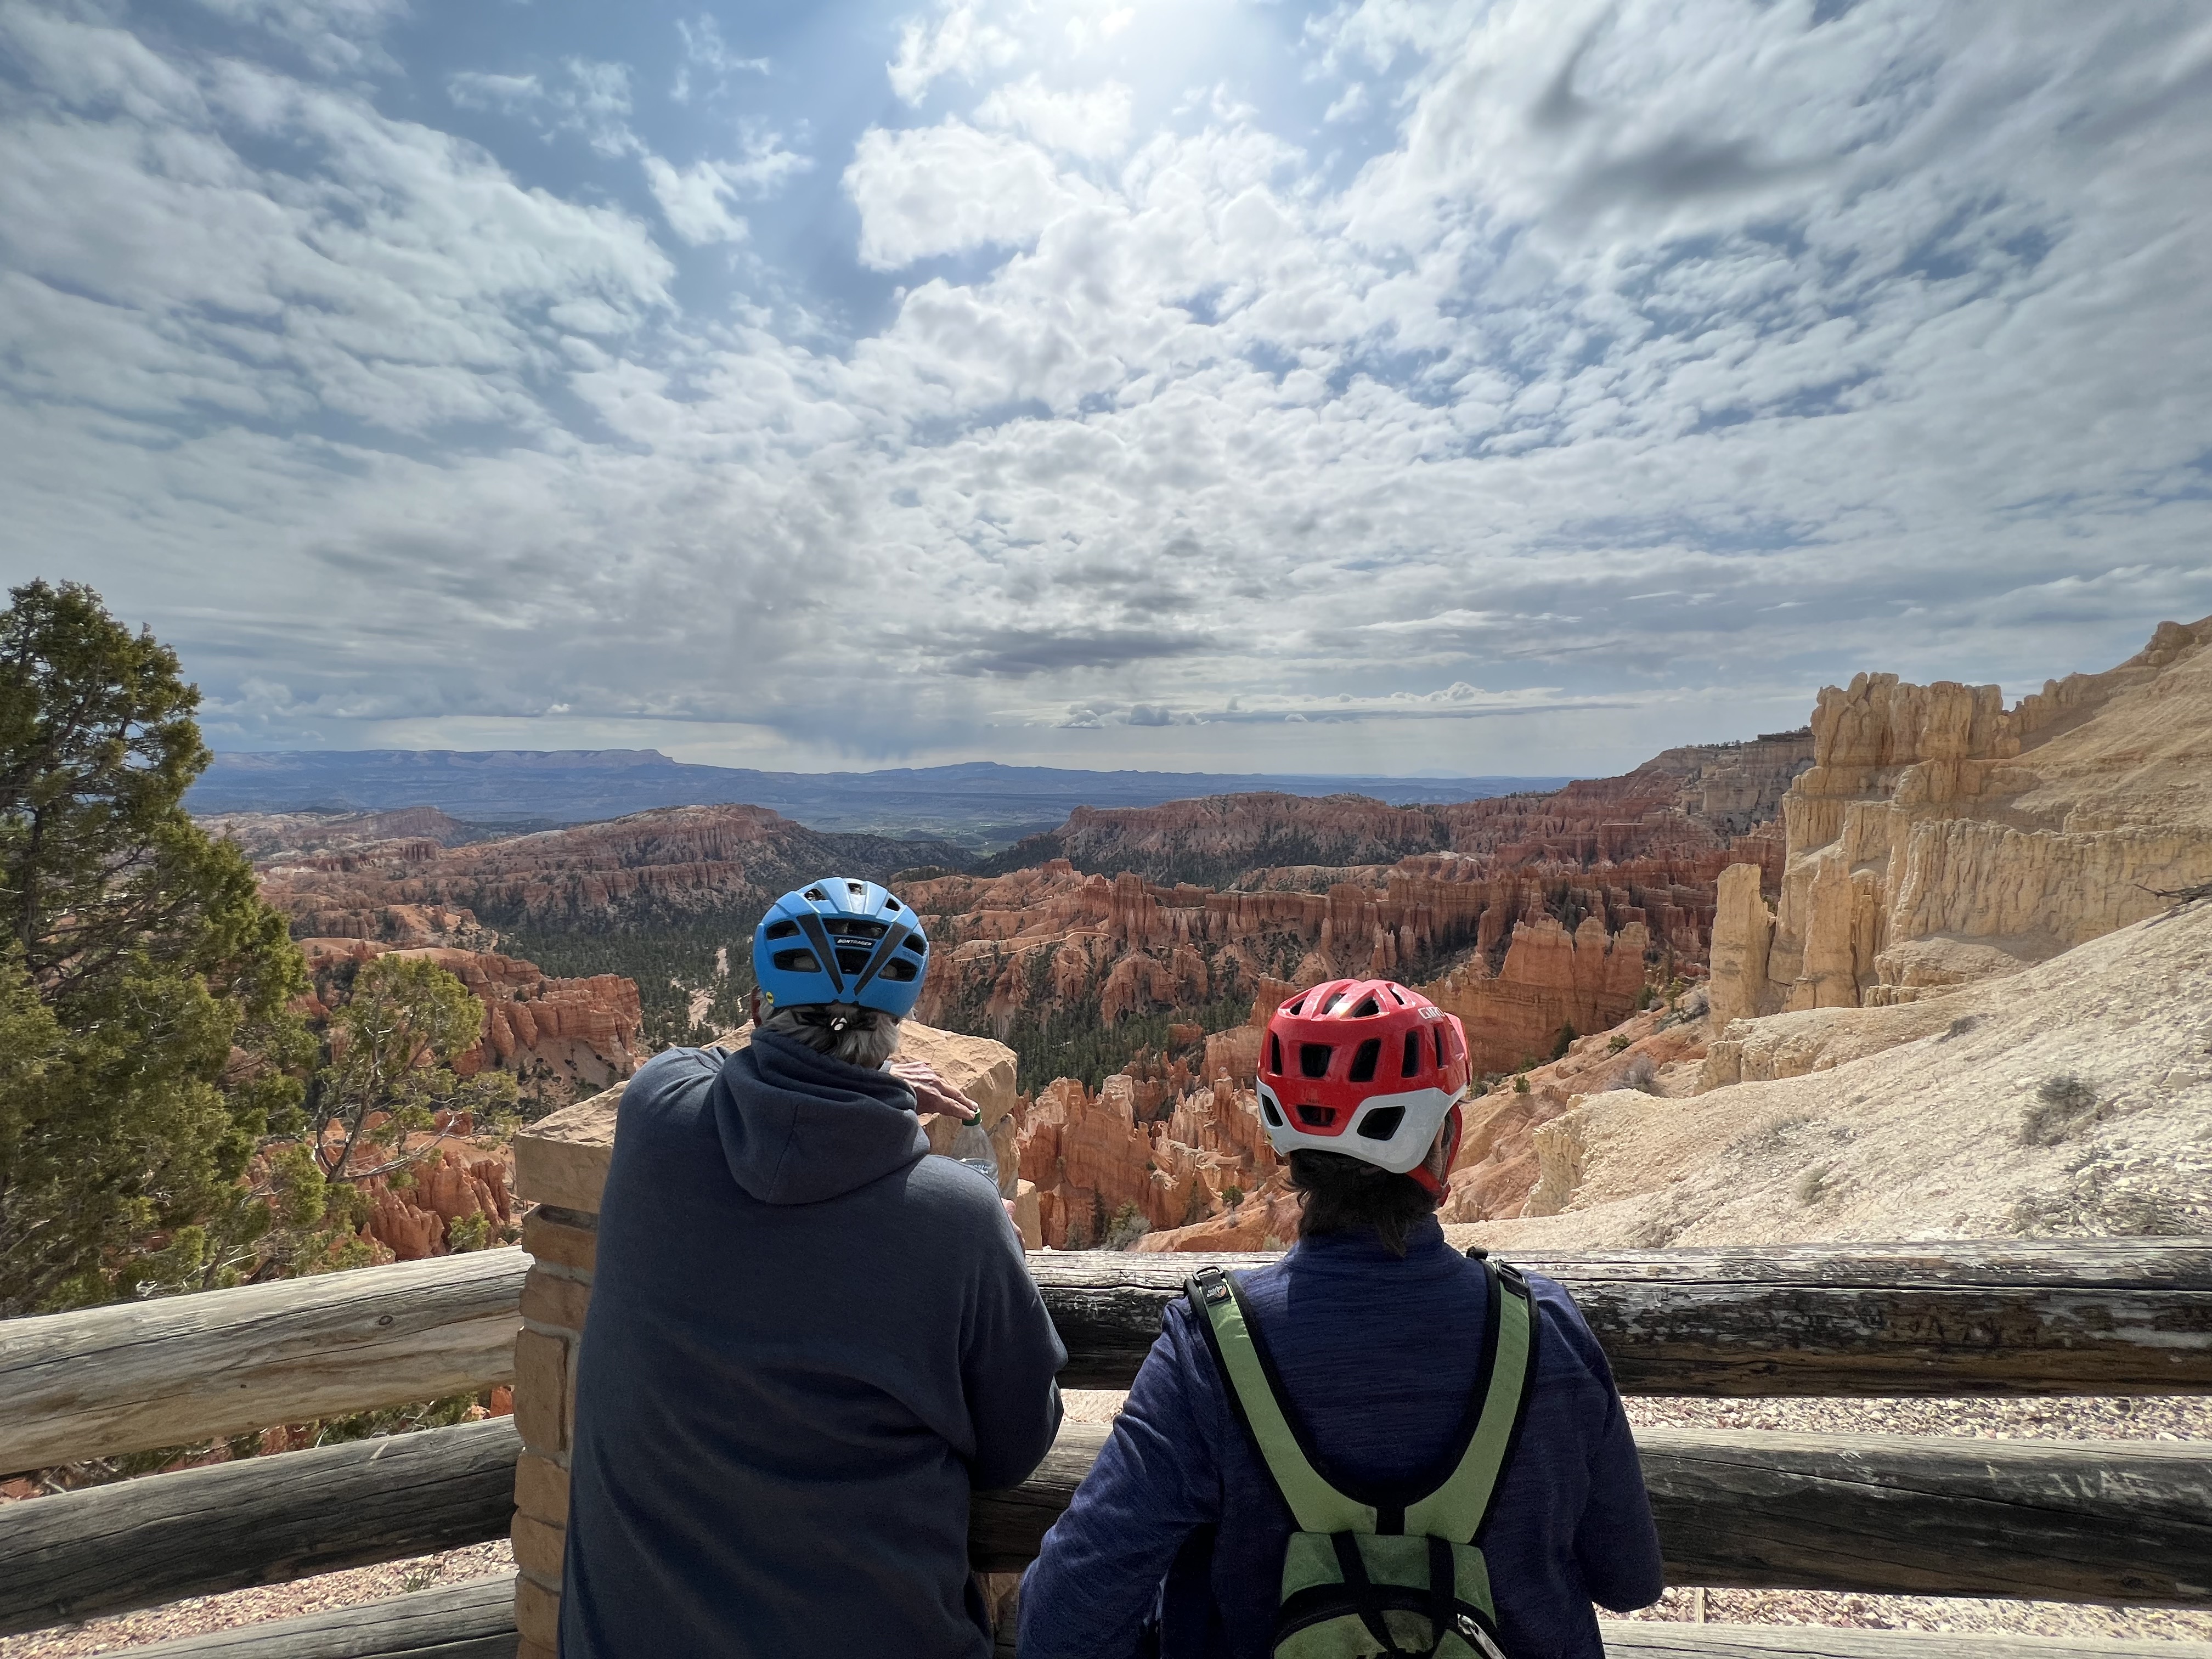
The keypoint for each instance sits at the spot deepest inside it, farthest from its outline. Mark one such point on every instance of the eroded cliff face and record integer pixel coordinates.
(553, 1034)
(1940, 838)
(1687, 801)
(1551, 924)
(676, 862)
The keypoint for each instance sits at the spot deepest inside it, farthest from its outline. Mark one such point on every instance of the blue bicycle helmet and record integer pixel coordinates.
(840, 940)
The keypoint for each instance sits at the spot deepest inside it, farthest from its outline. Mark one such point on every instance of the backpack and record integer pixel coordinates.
(1363, 1579)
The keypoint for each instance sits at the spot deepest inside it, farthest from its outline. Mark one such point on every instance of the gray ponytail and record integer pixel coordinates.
(859, 1037)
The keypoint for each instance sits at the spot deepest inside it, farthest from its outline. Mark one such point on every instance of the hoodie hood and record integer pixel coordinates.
(798, 1127)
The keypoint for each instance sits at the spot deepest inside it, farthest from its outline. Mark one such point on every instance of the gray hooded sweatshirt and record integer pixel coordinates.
(807, 1342)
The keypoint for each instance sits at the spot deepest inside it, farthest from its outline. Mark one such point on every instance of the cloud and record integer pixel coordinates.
(695, 199)
(705, 51)
(943, 189)
(954, 42)
(336, 36)
(1093, 124)
(587, 99)
(1621, 375)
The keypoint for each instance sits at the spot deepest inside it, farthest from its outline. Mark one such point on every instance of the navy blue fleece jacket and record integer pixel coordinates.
(807, 1342)
(1179, 1528)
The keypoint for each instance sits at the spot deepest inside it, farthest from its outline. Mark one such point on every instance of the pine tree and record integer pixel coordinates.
(146, 1034)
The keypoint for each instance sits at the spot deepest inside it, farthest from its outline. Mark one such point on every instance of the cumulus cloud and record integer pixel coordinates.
(1092, 124)
(947, 188)
(696, 199)
(1658, 363)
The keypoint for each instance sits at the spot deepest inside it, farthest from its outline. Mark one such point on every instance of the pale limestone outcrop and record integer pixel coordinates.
(1917, 1120)
(1743, 928)
(1939, 837)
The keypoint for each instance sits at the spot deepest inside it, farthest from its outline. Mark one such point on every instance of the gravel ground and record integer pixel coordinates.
(251, 1607)
(2172, 1418)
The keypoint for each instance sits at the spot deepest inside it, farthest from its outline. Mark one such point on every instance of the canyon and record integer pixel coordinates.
(668, 865)
(1531, 913)
(1625, 952)
(1978, 1008)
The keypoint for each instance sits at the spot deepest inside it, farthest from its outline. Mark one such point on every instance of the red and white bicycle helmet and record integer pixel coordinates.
(1366, 1068)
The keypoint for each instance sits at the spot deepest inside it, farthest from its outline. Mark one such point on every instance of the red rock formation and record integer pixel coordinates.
(1132, 1146)
(415, 1221)
(681, 859)
(556, 1032)
(1551, 979)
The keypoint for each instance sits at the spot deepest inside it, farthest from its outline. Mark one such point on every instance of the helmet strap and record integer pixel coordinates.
(1441, 1151)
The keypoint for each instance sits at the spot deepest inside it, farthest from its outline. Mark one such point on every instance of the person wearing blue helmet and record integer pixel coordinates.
(808, 1342)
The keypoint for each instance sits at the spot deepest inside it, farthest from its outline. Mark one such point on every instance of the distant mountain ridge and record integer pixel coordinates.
(981, 804)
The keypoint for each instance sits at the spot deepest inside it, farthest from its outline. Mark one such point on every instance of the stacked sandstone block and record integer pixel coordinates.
(561, 1162)
(561, 1166)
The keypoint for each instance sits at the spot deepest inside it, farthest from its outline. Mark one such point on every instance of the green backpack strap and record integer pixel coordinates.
(1457, 1509)
(1318, 1506)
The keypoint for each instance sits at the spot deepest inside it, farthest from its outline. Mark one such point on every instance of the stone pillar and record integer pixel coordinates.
(561, 1166)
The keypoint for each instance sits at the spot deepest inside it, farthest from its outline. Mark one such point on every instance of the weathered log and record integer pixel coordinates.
(259, 1521)
(186, 1369)
(1642, 1638)
(1005, 1527)
(2083, 1317)
(471, 1620)
(2127, 1521)
(2119, 1521)
(2104, 1316)
(476, 1620)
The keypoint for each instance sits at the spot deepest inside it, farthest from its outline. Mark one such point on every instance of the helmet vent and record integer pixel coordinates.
(1366, 1010)
(1410, 1066)
(1437, 1032)
(1295, 1006)
(901, 972)
(796, 962)
(1382, 1125)
(1313, 1060)
(784, 929)
(1364, 1061)
(817, 894)
(1316, 1117)
(892, 904)
(1268, 1110)
(856, 888)
(1274, 1054)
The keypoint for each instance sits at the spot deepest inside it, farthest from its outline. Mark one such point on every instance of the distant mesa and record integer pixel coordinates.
(979, 805)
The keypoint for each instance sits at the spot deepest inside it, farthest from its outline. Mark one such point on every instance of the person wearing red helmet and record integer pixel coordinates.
(1376, 1444)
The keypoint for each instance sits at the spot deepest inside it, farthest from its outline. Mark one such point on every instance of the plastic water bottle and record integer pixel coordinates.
(972, 1147)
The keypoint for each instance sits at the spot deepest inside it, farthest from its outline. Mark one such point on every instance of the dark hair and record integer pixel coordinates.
(1341, 1195)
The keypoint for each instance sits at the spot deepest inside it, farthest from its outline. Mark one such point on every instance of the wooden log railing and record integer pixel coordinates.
(2103, 1316)
(2083, 1317)
(475, 1619)
(260, 1521)
(184, 1369)
(2127, 1521)
(2124, 1522)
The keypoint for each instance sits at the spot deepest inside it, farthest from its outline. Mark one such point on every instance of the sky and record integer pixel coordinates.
(1381, 386)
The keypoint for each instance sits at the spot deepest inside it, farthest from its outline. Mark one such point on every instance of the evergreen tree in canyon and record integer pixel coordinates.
(147, 1039)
